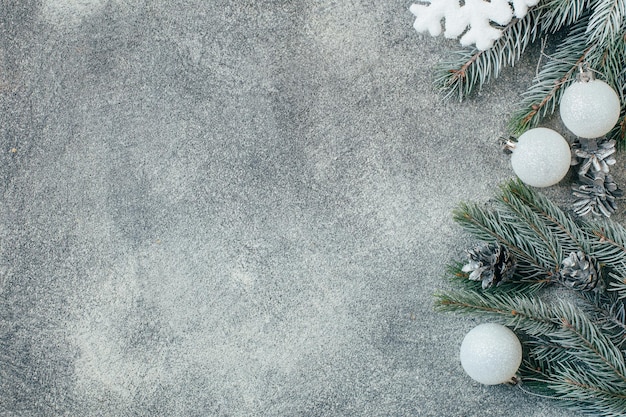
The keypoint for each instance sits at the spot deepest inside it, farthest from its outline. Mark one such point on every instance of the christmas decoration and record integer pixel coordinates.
(594, 34)
(491, 354)
(596, 195)
(541, 157)
(580, 272)
(595, 192)
(589, 108)
(573, 344)
(590, 154)
(490, 263)
(480, 16)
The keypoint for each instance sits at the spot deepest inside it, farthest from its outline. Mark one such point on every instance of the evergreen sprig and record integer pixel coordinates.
(560, 13)
(606, 20)
(574, 340)
(541, 100)
(596, 35)
(466, 70)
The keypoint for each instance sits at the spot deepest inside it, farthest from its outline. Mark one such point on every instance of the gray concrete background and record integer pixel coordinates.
(237, 208)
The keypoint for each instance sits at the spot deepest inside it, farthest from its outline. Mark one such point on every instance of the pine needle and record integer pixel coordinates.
(542, 98)
(573, 347)
(596, 36)
(466, 71)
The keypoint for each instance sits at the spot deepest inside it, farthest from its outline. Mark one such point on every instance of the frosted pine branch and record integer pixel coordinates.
(573, 343)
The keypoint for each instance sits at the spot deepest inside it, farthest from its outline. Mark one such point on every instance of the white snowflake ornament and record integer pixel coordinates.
(477, 15)
(520, 7)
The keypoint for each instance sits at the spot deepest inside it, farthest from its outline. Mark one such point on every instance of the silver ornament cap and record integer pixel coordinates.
(491, 354)
(590, 109)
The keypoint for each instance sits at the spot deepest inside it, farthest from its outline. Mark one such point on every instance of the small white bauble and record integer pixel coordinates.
(541, 157)
(491, 354)
(590, 109)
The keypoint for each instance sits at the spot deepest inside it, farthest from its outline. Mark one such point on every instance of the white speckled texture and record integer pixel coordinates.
(237, 208)
(541, 157)
(589, 109)
(491, 354)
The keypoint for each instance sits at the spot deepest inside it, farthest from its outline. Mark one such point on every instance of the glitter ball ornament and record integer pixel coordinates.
(589, 108)
(541, 157)
(491, 354)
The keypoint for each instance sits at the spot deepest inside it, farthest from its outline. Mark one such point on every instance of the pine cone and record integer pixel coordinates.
(580, 272)
(598, 157)
(490, 263)
(596, 195)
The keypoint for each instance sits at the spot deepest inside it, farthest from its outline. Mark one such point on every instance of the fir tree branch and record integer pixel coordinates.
(596, 36)
(618, 284)
(573, 340)
(531, 231)
(607, 56)
(611, 63)
(610, 315)
(492, 226)
(619, 131)
(573, 349)
(539, 381)
(547, 354)
(464, 72)
(609, 243)
(606, 20)
(521, 311)
(571, 237)
(592, 347)
(588, 394)
(541, 99)
(557, 14)
(601, 44)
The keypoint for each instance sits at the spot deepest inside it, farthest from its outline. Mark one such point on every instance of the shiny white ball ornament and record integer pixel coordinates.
(590, 109)
(491, 354)
(541, 157)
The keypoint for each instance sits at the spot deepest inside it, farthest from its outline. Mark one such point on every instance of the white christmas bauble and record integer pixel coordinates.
(491, 354)
(590, 109)
(541, 157)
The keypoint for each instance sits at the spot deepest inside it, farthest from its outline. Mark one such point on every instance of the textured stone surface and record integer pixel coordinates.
(236, 208)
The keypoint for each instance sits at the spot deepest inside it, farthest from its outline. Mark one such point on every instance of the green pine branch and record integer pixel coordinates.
(618, 284)
(609, 243)
(573, 346)
(596, 37)
(571, 237)
(545, 355)
(492, 225)
(534, 229)
(541, 99)
(609, 313)
(606, 20)
(557, 14)
(591, 347)
(584, 392)
(618, 133)
(466, 71)
(596, 40)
